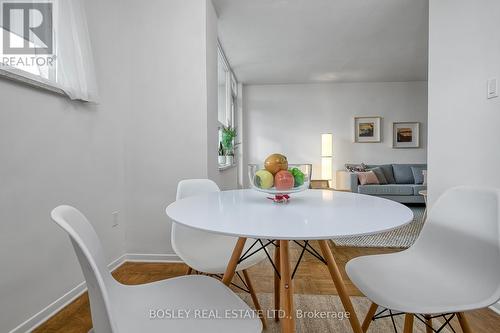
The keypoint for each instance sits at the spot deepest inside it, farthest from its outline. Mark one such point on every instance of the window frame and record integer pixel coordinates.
(29, 79)
(231, 89)
(231, 100)
(35, 81)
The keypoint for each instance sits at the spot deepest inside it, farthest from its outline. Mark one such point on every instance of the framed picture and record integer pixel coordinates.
(406, 135)
(367, 129)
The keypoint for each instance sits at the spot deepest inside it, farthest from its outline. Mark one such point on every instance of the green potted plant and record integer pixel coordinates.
(228, 135)
(222, 156)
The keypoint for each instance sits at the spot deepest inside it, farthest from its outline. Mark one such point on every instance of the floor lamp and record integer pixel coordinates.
(327, 158)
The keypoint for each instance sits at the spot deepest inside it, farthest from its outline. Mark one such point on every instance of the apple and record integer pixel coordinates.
(275, 163)
(264, 179)
(284, 180)
(298, 176)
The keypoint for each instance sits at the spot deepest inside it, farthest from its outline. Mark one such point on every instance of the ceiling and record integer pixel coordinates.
(299, 41)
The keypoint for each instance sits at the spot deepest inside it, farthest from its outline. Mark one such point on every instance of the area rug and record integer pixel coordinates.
(403, 237)
(310, 307)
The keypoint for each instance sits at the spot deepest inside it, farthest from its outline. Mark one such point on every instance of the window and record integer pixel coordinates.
(227, 97)
(46, 43)
(222, 73)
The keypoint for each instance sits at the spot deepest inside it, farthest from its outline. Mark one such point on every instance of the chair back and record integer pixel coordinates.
(89, 252)
(185, 239)
(463, 230)
(190, 187)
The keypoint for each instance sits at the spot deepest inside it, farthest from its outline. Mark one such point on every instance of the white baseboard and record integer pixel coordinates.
(496, 307)
(50, 310)
(74, 293)
(138, 257)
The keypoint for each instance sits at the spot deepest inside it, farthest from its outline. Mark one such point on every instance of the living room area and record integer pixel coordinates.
(348, 111)
(250, 166)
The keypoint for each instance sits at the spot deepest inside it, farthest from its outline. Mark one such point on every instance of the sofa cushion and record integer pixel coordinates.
(380, 175)
(387, 170)
(403, 173)
(391, 189)
(418, 174)
(418, 188)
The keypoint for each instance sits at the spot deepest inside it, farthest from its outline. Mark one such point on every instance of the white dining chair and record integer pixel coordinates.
(118, 308)
(453, 267)
(207, 252)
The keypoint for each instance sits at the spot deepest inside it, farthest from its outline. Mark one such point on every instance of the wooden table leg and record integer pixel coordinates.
(255, 300)
(340, 286)
(288, 323)
(233, 262)
(408, 323)
(369, 317)
(277, 283)
(463, 323)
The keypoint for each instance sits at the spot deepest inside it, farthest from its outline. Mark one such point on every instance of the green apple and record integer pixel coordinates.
(298, 176)
(264, 179)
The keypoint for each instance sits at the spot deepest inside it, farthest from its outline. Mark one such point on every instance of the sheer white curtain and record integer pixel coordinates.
(75, 72)
(73, 69)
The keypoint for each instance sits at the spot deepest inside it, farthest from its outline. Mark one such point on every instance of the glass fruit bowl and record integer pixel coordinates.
(296, 178)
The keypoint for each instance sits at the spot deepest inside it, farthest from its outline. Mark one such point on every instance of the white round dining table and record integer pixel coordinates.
(310, 215)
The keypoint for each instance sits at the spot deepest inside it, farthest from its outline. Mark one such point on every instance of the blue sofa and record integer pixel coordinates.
(401, 185)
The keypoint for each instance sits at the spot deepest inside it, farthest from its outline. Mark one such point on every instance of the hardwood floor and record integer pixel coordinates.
(312, 278)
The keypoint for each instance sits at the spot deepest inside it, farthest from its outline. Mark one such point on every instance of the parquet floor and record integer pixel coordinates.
(312, 278)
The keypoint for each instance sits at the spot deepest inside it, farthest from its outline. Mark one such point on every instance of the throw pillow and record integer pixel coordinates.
(356, 167)
(388, 172)
(380, 175)
(424, 172)
(367, 178)
(418, 174)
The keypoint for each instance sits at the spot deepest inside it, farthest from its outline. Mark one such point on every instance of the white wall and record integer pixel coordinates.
(166, 128)
(156, 74)
(54, 151)
(464, 125)
(290, 119)
(171, 131)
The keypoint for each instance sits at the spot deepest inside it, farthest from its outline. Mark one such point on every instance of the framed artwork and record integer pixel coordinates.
(367, 129)
(406, 135)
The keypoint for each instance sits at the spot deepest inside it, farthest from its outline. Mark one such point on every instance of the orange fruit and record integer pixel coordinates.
(275, 163)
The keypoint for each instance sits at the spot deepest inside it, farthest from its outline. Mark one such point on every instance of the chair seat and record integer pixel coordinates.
(417, 282)
(195, 293)
(212, 256)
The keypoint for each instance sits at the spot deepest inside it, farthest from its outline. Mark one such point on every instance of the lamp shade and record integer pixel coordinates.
(326, 156)
(326, 168)
(326, 145)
